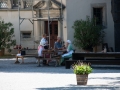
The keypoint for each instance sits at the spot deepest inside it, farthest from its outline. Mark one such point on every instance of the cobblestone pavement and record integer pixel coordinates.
(30, 77)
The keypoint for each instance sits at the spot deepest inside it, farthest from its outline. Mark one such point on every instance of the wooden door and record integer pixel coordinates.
(53, 31)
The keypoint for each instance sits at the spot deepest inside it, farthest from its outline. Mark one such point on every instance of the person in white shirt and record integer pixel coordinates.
(44, 40)
(41, 48)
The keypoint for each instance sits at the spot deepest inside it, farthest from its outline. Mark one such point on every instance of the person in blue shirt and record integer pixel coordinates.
(58, 46)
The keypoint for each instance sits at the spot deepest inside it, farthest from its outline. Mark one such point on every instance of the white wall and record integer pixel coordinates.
(13, 17)
(79, 9)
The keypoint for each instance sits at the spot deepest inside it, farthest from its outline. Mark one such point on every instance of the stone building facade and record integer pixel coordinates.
(34, 18)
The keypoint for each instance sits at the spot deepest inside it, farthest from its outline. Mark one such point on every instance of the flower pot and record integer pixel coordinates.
(2, 51)
(82, 79)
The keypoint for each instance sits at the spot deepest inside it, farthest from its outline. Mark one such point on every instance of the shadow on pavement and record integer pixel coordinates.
(87, 87)
(30, 66)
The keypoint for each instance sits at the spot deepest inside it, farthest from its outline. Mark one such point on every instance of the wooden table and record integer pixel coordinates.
(57, 51)
(51, 54)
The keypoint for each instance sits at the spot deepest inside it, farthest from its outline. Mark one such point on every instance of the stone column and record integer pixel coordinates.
(22, 3)
(36, 33)
(42, 29)
(9, 3)
(39, 30)
(59, 29)
(36, 30)
(115, 10)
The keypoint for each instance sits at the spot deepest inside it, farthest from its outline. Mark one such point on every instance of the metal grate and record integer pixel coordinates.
(3, 4)
(28, 3)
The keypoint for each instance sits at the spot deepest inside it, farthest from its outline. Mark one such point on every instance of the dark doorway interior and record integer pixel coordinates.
(53, 31)
(98, 14)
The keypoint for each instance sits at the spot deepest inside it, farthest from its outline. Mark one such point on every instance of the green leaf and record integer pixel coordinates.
(87, 34)
(6, 35)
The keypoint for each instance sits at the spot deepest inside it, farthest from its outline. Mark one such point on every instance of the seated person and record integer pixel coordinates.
(69, 51)
(19, 56)
(58, 45)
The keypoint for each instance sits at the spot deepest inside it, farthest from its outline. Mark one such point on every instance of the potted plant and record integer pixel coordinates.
(81, 70)
(87, 34)
(6, 36)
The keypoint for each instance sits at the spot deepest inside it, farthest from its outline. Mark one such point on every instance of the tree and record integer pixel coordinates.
(6, 35)
(87, 34)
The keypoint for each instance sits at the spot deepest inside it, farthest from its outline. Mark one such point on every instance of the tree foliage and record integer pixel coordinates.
(6, 35)
(87, 34)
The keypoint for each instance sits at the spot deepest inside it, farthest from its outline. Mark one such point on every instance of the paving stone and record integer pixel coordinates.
(30, 77)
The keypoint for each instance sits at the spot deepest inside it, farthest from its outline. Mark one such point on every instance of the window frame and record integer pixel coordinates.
(98, 12)
(6, 3)
(22, 36)
(13, 3)
(104, 12)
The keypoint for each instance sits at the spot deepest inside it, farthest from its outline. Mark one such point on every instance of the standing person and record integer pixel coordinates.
(41, 48)
(44, 38)
(40, 51)
(69, 51)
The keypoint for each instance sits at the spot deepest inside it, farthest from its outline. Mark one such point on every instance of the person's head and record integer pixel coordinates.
(58, 39)
(68, 42)
(42, 43)
(44, 35)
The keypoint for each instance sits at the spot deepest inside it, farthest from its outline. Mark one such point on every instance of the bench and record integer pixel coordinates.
(56, 57)
(109, 58)
(29, 53)
(22, 57)
(50, 56)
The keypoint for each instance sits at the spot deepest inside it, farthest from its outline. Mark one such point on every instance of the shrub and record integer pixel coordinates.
(81, 68)
(87, 34)
(6, 35)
